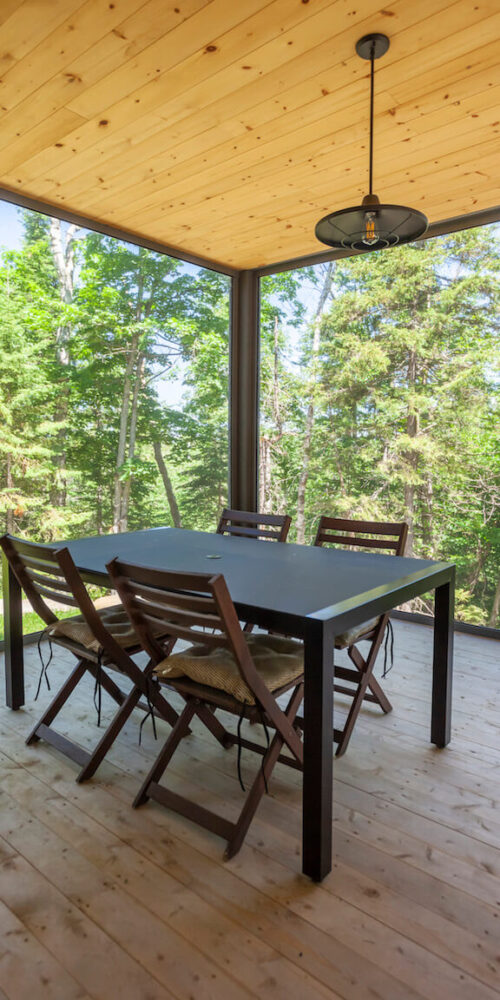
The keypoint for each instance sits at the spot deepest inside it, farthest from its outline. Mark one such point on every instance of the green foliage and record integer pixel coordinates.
(131, 314)
(405, 405)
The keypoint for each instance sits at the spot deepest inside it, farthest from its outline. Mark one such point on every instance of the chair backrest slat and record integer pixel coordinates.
(42, 563)
(39, 574)
(273, 527)
(59, 598)
(389, 535)
(245, 532)
(163, 611)
(365, 543)
(193, 602)
(53, 583)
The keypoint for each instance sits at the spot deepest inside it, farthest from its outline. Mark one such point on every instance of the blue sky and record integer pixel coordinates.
(10, 226)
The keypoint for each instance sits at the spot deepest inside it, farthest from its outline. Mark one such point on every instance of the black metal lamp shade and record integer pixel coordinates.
(371, 226)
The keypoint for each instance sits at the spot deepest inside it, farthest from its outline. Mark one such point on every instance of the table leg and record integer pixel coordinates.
(13, 631)
(318, 751)
(442, 668)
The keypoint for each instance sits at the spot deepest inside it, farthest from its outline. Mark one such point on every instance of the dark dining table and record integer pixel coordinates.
(312, 593)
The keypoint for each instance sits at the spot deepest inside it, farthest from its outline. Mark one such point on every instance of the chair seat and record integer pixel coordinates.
(355, 634)
(279, 661)
(77, 630)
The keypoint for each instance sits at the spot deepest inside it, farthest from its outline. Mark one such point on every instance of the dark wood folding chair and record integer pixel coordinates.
(223, 668)
(358, 681)
(248, 524)
(97, 638)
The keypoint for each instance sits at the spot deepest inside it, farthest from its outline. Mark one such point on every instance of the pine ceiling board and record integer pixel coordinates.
(29, 23)
(310, 138)
(195, 96)
(267, 179)
(80, 32)
(261, 252)
(130, 107)
(189, 116)
(223, 35)
(419, 194)
(228, 173)
(229, 210)
(233, 178)
(56, 92)
(258, 250)
(483, 174)
(178, 151)
(178, 80)
(109, 192)
(476, 176)
(7, 8)
(230, 221)
(47, 130)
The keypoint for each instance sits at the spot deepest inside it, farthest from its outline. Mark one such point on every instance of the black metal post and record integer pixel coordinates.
(442, 663)
(13, 630)
(244, 390)
(317, 792)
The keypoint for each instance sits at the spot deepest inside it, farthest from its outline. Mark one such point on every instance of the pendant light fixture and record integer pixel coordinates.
(371, 226)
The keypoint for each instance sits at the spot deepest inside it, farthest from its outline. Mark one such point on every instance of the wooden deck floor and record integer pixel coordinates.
(98, 900)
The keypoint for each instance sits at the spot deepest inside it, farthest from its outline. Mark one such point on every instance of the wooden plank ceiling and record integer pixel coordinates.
(227, 129)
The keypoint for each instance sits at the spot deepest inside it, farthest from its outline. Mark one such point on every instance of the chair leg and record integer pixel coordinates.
(263, 775)
(168, 750)
(109, 736)
(207, 716)
(354, 710)
(368, 664)
(59, 700)
(92, 759)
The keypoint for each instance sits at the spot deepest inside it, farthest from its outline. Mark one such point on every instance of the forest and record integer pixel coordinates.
(389, 409)
(379, 394)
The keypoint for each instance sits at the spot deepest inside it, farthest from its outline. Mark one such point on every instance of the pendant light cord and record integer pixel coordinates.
(372, 75)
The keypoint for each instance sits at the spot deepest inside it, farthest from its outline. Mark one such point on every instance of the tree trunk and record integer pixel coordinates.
(63, 252)
(167, 482)
(477, 569)
(309, 426)
(264, 473)
(427, 497)
(122, 436)
(412, 427)
(127, 486)
(9, 518)
(495, 610)
(270, 441)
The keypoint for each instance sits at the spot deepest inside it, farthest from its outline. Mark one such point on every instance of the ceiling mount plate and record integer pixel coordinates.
(374, 42)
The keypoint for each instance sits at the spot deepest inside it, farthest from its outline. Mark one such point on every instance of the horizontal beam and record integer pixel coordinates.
(56, 212)
(416, 618)
(454, 225)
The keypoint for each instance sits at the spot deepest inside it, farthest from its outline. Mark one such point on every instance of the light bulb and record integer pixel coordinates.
(370, 235)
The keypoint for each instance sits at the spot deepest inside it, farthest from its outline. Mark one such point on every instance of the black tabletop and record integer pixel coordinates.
(283, 578)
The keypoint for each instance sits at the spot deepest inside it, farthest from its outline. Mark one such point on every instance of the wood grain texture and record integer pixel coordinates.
(101, 900)
(227, 130)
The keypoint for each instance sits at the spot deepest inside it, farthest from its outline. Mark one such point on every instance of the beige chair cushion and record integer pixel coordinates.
(78, 631)
(278, 660)
(354, 634)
